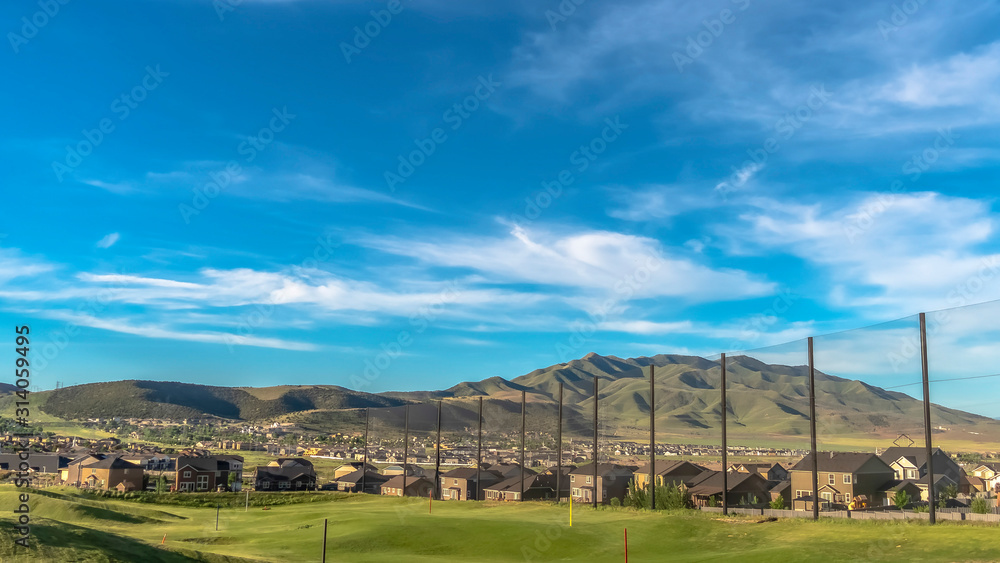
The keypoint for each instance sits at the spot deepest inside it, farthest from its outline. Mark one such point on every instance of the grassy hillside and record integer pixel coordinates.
(158, 399)
(364, 528)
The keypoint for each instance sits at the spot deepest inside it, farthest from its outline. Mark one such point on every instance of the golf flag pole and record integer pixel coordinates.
(626, 545)
(570, 509)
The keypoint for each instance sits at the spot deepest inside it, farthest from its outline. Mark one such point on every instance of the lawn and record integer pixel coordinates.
(362, 528)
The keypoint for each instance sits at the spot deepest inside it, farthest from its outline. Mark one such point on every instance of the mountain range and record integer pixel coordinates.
(763, 399)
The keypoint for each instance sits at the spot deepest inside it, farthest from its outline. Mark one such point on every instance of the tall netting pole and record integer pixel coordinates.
(479, 453)
(725, 445)
(559, 447)
(812, 431)
(652, 440)
(406, 443)
(437, 458)
(364, 462)
(523, 405)
(596, 489)
(927, 418)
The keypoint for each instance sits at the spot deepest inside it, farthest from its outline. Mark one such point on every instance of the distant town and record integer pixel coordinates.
(217, 455)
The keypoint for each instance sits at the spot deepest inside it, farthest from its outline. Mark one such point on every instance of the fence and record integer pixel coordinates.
(808, 403)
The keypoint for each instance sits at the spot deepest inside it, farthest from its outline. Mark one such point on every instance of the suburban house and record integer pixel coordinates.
(351, 467)
(743, 488)
(208, 473)
(460, 484)
(352, 482)
(412, 470)
(150, 461)
(668, 473)
(612, 482)
(508, 470)
(106, 472)
(536, 487)
(842, 476)
(415, 486)
(285, 474)
(37, 462)
(989, 473)
(911, 464)
(773, 472)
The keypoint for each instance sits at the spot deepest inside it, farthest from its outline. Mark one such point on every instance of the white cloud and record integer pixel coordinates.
(964, 79)
(108, 240)
(896, 252)
(623, 266)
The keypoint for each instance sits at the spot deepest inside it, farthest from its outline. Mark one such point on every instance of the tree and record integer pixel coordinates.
(231, 480)
(161, 485)
(947, 493)
(901, 499)
(778, 503)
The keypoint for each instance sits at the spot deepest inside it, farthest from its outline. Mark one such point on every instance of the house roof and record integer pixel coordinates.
(355, 477)
(916, 455)
(530, 482)
(664, 467)
(111, 462)
(283, 473)
(838, 462)
(712, 484)
(396, 482)
(603, 469)
(290, 462)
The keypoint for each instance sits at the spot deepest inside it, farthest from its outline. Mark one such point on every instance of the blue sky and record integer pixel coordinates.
(315, 191)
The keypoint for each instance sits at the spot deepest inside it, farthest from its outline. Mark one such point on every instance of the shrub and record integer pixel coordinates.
(901, 499)
(615, 502)
(980, 505)
(778, 503)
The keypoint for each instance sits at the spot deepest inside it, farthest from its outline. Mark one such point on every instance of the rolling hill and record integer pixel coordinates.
(763, 399)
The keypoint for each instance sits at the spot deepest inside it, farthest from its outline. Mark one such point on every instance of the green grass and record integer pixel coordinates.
(67, 526)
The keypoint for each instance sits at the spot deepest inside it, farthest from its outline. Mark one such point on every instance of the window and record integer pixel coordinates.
(800, 494)
(589, 479)
(576, 492)
(283, 485)
(203, 482)
(455, 481)
(833, 479)
(826, 496)
(187, 474)
(911, 473)
(847, 479)
(572, 478)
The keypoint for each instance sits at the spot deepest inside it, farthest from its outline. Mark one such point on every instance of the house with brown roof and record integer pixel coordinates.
(462, 484)
(285, 474)
(842, 476)
(353, 482)
(415, 486)
(351, 467)
(200, 474)
(612, 482)
(668, 473)
(911, 464)
(535, 487)
(105, 472)
(741, 488)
